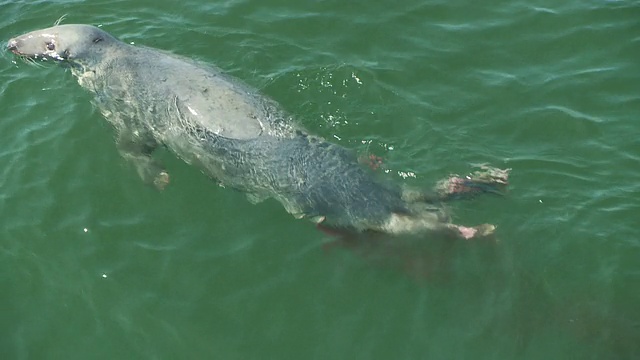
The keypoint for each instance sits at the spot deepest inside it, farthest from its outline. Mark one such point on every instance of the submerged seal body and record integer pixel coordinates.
(233, 134)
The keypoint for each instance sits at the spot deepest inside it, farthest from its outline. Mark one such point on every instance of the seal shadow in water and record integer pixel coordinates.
(528, 310)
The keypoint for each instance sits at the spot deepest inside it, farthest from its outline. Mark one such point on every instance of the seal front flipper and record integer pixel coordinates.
(138, 149)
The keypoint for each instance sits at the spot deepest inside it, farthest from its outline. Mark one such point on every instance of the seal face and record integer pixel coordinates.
(77, 43)
(235, 135)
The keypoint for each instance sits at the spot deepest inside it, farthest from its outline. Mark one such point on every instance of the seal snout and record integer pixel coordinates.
(12, 45)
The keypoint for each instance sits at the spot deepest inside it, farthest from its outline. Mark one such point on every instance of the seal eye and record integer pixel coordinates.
(97, 40)
(51, 46)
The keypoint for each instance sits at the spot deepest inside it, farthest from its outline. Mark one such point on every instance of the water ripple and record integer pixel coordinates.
(549, 89)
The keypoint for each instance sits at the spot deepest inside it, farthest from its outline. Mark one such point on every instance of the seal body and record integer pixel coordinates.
(232, 133)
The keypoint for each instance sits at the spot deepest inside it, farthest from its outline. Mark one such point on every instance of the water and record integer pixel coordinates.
(96, 265)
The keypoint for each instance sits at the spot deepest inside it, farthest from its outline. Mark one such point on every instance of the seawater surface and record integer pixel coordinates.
(96, 265)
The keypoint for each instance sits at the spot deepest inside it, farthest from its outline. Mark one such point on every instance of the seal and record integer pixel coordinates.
(237, 136)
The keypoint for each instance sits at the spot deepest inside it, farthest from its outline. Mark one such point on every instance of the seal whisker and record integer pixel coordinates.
(59, 21)
(25, 59)
(31, 61)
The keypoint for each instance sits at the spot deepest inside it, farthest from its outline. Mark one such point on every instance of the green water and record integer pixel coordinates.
(96, 265)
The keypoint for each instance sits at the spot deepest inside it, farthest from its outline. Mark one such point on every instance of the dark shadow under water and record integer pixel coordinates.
(532, 311)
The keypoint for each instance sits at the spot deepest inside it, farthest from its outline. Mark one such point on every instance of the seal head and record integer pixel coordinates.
(82, 45)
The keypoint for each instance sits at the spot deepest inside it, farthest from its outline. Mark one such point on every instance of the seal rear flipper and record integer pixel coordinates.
(138, 150)
(486, 180)
(455, 187)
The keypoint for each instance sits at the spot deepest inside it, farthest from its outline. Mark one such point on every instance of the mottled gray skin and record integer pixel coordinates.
(232, 133)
